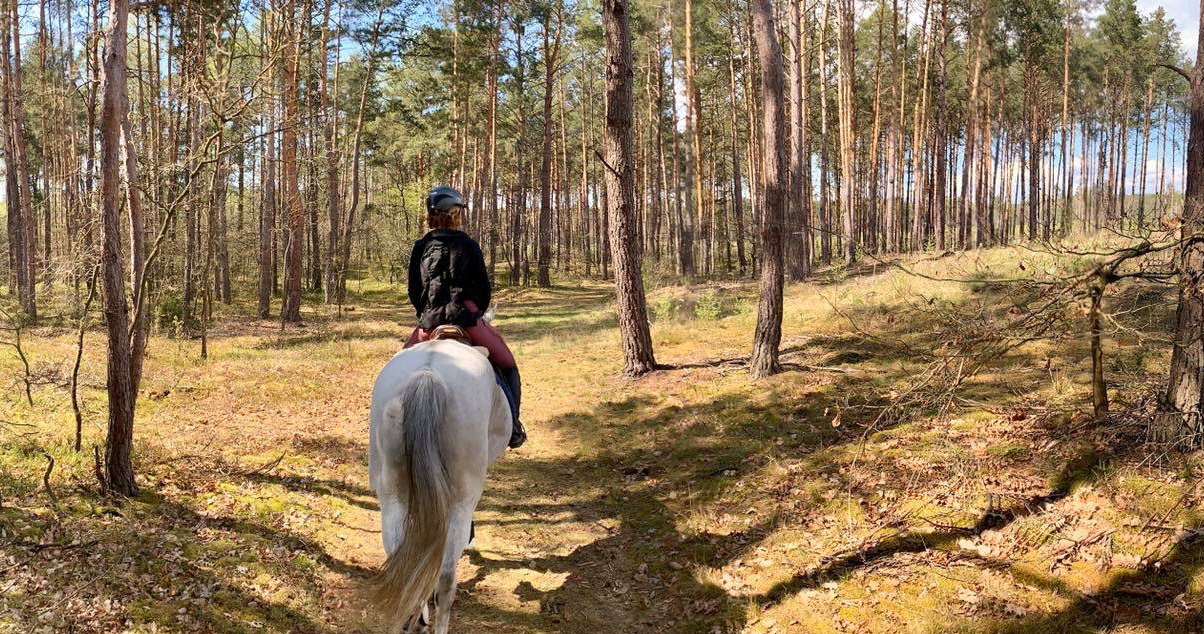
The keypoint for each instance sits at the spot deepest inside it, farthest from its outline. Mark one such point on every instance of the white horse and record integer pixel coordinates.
(439, 420)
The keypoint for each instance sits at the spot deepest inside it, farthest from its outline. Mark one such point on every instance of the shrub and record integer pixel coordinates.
(664, 309)
(709, 306)
(170, 314)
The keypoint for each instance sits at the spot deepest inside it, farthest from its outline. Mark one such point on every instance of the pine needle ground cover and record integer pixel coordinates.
(852, 493)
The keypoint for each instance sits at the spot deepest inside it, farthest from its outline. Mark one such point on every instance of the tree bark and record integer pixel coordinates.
(971, 130)
(334, 194)
(693, 159)
(295, 227)
(267, 214)
(119, 469)
(768, 335)
(620, 180)
(939, 196)
(551, 53)
(737, 184)
(1067, 135)
(1185, 390)
(848, 198)
(357, 136)
(796, 265)
(825, 216)
(22, 234)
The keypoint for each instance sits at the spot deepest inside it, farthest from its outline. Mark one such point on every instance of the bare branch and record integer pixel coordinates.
(1182, 72)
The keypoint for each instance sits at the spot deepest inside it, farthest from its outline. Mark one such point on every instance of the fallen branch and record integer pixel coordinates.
(46, 478)
(825, 368)
(267, 467)
(38, 547)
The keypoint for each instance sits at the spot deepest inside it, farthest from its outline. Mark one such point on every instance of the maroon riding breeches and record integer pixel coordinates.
(482, 335)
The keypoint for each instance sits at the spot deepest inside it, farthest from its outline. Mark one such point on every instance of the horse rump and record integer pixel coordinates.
(410, 574)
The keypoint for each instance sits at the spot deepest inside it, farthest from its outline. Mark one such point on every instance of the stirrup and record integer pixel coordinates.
(518, 435)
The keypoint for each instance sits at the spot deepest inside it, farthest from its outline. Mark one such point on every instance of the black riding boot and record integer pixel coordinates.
(518, 435)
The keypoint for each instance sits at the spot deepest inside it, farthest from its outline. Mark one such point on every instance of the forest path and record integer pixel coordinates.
(549, 553)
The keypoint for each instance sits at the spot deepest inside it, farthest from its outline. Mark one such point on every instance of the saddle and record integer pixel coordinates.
(451, 332)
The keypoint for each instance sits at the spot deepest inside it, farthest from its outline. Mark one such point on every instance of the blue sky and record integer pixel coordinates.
(1186, 14)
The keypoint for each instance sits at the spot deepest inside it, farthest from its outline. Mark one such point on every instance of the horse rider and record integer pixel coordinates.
(449, 285)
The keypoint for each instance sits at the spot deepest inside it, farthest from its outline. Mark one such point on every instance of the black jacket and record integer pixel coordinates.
(446, 270)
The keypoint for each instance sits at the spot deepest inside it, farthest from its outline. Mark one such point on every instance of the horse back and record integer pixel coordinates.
(470, 430)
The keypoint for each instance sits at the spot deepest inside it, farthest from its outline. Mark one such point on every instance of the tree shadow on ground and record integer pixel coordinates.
(647, 573)
(209, 572)
(288, 340)
(1158, 598)
(350, 493)
(660, 465)
(643, 572)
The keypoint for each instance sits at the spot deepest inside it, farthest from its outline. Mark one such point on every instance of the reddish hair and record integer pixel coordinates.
(453, 219)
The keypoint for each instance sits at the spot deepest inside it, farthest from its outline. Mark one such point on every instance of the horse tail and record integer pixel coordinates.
(411, 572)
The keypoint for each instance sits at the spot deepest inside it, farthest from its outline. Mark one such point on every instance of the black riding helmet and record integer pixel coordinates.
(443, 200)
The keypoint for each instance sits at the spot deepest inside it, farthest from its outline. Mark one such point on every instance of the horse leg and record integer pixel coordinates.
(392, 520)
(392, 526)
(419, 624)
(458, 529)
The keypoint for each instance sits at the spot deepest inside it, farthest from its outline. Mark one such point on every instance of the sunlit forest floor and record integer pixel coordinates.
(692, 500)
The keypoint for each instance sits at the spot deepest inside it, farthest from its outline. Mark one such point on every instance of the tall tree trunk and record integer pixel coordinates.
(1147, 114)
(295, 214)
(119, 469)
(693, 159)
(20, 205)
(491, 146)
(267, 208)
(519, 209)
(1185, 391)
(964, 211)
(334, 195)
(357, 137)
(583, 201)
(768, 334)
(871, 228)
(898, 91)
(919, 134)
(737, 185)
(620, 177)
(1034, 155)
(804, 188)
(551, 53)
(21, 158)
(939, 196)
(1067, 133)
(848, 199)
(825, 216)
(139, 326)
(793, 234)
